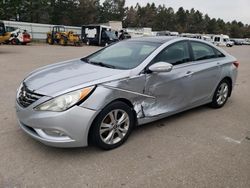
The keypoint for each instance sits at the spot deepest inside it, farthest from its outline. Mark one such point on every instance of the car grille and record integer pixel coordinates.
(27, 97)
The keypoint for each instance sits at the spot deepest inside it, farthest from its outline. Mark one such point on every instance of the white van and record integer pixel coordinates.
(174, 33)
(222, 40)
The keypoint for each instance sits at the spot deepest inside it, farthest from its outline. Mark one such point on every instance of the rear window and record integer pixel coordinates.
(202, 51)
(218, 53)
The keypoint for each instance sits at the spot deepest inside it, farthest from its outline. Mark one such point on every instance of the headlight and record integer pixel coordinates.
(19, 88)
(65, 101)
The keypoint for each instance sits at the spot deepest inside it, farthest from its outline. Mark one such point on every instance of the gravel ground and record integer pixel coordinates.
(202, 147)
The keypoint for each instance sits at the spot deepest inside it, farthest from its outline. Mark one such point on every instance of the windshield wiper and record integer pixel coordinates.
(98, 63)
(102, 64)
(85, 60)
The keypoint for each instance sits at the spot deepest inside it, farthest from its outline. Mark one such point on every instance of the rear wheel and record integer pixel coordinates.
(221, 94)
(14, 41)
(79, 43)
(112, 126)
(63, 41)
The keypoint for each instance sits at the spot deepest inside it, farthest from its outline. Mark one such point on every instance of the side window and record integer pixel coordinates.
(217, 39)
(219, 54)
(175, 54)
(104, 35)
(202, 51)
(1, 29)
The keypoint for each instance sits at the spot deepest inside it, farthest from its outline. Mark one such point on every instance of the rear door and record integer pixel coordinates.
(204, 72)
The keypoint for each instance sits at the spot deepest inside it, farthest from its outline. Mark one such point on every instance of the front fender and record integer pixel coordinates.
(130, 89)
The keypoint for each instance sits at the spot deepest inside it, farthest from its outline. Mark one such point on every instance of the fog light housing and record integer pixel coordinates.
(53, 132)
(53, 135)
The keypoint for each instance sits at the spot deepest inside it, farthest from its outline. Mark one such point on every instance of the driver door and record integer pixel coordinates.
(172, 90)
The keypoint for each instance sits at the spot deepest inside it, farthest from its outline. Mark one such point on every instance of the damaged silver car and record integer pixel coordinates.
(100, 98)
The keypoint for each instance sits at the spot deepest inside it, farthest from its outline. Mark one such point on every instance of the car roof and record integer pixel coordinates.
(156, 39)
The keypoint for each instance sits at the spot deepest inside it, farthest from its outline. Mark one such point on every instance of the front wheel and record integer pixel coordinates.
(50, 41)
(221, 94)
(112, 126)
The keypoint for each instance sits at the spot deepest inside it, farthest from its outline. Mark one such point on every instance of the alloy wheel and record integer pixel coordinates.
(114, 126)
(222, 93)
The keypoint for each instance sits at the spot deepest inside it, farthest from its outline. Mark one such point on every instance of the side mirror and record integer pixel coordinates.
(161, 67)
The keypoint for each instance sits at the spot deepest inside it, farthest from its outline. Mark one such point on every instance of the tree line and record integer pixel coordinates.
(79, 12)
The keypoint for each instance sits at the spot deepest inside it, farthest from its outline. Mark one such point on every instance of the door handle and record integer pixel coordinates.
(189, 74)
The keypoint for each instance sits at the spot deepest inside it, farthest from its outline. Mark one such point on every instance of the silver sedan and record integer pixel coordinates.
(102, 97)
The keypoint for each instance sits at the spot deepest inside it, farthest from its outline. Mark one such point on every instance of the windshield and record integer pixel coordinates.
(10, 29)
(111, 35)
(123, 55)
(60, 29)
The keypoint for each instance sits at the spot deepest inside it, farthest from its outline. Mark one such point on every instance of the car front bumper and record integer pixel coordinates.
(72, 124)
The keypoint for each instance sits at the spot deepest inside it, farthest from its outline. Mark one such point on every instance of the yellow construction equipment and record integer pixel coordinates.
(4, 36)
(59, 35)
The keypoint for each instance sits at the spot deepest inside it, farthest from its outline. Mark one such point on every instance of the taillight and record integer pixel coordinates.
(236, 64)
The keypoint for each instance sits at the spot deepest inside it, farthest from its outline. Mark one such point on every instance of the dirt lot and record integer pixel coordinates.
(198, 148)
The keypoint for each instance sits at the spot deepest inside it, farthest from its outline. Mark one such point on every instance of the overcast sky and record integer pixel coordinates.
(228, 10)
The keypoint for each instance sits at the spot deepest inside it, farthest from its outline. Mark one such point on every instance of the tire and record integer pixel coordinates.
(63, 41)
(79, 43)
(107, 134)
(50, 41)
(14, 41)
(88, 42)
(221, 94)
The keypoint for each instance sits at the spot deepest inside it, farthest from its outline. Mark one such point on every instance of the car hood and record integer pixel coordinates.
(70, 75)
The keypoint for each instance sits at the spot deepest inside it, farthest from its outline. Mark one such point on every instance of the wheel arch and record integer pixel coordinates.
(227, 78)
(124, 100)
